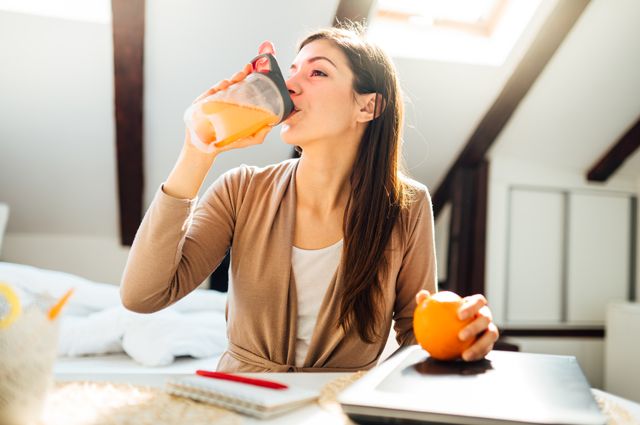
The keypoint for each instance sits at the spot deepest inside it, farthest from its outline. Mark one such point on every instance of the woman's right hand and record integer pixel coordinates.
(256, 139)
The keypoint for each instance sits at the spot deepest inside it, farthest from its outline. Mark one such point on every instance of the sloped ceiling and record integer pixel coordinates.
(587, 96)
(631, 167)
(57, 150)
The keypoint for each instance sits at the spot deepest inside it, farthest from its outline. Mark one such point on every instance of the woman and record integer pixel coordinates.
(325, 250)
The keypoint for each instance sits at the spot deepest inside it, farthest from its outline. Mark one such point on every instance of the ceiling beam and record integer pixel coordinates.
(550, 37)
(353, 10)
(614, 157)
(128, 53)
(467, 231)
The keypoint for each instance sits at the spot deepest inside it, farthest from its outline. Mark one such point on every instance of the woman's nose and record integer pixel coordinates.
(292, 85)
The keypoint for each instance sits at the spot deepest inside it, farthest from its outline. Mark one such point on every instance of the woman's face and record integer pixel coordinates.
(321, 87)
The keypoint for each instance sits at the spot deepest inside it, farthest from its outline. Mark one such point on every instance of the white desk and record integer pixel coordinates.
(121, 369)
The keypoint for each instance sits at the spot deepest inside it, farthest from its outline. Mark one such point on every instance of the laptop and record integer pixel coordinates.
(504, 388)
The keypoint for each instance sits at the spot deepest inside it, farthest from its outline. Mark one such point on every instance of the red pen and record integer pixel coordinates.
(242, 379)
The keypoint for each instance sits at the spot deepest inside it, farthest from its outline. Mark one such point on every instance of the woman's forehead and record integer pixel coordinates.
(321, 49)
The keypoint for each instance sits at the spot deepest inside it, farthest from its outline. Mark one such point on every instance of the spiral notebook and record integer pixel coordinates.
(248, 399)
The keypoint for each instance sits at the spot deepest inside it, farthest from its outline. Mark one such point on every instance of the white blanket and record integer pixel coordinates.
(94, 321)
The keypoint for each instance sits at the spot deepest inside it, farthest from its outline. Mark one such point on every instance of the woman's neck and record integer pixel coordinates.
(322, 180)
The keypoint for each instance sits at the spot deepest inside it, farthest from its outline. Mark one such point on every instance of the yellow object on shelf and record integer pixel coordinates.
(10, 307)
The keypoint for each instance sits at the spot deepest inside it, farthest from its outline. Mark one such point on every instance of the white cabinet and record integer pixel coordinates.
(599, 255)
(534, 251)
(568, 255)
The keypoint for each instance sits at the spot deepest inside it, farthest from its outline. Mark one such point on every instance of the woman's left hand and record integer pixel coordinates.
(482, 327)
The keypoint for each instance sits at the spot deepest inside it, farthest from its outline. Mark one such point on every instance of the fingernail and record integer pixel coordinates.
(463, 315)
(463, 335)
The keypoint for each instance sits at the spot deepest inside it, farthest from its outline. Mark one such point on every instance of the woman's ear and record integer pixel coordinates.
(372, 106)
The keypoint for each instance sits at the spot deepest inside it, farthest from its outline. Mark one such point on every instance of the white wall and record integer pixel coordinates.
(588, 351)
(57, 150)
(98, 258)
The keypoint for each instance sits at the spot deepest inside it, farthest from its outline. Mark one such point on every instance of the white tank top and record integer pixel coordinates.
(313, 270)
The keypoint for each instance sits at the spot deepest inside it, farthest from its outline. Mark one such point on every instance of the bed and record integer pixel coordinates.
(98, 335)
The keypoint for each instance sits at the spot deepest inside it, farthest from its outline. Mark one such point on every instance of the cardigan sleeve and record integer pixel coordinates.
(418, 269)
(178, 244)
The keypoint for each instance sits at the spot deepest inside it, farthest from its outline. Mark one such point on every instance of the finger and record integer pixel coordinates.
(241, 75)
(483, 345)
(222, 85)
(203, 95)
(471, 306)
(479, 325)
(209, 92)
(422, 295)
(238, 76)
(256, 139)
(266, 47)
(262, 134)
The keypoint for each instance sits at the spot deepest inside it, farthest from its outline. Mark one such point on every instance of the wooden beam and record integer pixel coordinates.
(550, 37)
(353, 10)
(459, 231)
(467, 231)
(619, 152)
(478, 238)
(128, 53)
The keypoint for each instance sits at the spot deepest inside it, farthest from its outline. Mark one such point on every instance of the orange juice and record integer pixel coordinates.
(222, 122)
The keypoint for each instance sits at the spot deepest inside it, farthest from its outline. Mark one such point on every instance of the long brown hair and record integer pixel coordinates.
(378, 192)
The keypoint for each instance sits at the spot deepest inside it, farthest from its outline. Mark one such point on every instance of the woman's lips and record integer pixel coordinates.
(294, 112)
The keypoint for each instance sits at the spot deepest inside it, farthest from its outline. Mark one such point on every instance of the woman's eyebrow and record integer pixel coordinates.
(314, 59)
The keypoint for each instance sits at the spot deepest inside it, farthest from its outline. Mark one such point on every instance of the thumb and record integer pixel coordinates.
(423, 294)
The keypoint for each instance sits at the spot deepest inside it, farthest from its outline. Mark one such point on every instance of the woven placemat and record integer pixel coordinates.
(103, 403)
(616, 414)
(98, 403)
(329, 394)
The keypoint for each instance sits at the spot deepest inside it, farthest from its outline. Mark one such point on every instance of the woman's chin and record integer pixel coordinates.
(288, 135)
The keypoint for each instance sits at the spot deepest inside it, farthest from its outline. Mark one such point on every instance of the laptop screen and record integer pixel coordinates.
(505, 387)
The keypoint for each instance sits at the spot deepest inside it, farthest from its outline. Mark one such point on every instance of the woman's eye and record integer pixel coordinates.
(317, 72)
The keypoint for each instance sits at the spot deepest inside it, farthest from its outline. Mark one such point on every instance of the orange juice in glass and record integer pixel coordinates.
(241, 110)
(221, 122)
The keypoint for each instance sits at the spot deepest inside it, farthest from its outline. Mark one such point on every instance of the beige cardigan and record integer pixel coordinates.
(252, 210)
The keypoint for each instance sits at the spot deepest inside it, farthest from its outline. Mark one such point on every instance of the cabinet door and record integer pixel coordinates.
(535, 257)
(599, 256)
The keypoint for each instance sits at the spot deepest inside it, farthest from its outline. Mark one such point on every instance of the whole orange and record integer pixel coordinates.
(436, 326)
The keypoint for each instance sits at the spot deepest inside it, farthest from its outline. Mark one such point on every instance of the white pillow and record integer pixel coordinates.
(4, 217)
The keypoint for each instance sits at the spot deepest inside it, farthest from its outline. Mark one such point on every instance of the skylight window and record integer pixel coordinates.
(471, 31)
(97, 11)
